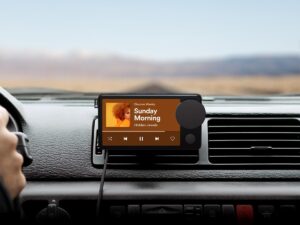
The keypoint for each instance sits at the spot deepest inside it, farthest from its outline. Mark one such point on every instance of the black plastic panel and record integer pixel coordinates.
(61, 133)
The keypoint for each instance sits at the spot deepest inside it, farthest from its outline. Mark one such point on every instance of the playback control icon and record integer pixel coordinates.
(142, 139)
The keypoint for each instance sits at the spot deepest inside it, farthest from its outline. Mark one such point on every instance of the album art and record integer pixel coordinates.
(117, 114)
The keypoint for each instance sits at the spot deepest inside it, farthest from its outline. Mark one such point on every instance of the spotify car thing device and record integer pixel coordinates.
(149, 123)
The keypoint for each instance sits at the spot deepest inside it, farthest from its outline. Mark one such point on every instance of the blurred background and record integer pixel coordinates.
(232, 47)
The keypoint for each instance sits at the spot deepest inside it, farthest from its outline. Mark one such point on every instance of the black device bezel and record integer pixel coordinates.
(136, 149)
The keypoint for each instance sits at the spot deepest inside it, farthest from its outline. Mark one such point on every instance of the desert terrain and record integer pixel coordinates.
(208, 85)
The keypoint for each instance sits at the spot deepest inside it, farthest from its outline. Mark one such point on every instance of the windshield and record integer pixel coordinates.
(213, 47)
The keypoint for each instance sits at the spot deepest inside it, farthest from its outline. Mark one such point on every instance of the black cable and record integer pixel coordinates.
(100, 194)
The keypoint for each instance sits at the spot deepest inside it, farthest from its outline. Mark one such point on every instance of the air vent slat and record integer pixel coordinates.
(254, 135)
(257, 126)
(246, 132)
(258, 152)
(254, 129)
(254, 141)
(256, 156)
(221, 149)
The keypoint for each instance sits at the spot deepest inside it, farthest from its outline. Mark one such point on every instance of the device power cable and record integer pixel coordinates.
(101, 190)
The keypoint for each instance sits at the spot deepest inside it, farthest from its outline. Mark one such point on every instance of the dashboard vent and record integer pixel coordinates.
(254, 141)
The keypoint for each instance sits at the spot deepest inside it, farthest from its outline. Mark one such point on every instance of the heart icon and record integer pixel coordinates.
(172, 138)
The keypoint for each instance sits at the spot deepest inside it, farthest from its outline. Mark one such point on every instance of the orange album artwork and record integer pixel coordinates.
(117, 114)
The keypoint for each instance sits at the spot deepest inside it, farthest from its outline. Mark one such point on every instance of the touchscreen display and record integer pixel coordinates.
(140, 122)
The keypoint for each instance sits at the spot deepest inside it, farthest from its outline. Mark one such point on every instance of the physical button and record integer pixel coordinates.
(212, 214)
(162, 209)
(245, 214)
(190, 139)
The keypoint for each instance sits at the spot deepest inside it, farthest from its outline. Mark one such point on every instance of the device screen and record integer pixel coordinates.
(140, 122)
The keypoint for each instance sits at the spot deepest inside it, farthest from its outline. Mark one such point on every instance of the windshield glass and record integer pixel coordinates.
(213, 47)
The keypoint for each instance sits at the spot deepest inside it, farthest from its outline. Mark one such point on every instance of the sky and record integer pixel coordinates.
(153, 29)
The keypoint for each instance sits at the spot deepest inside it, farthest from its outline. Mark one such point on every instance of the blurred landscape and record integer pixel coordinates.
(251, 75)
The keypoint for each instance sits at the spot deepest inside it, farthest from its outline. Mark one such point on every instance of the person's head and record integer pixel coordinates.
(122, 111)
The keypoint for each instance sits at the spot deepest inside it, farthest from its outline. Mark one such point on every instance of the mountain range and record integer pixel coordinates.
(72, 65)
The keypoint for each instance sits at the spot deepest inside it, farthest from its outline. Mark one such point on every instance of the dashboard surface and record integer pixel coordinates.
(62, 175)
(61, 139)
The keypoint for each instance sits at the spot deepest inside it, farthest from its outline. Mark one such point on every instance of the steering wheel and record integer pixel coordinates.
(23, 141)
(13, 207)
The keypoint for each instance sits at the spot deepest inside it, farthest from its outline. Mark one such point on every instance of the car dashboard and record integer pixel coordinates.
(247, 170)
